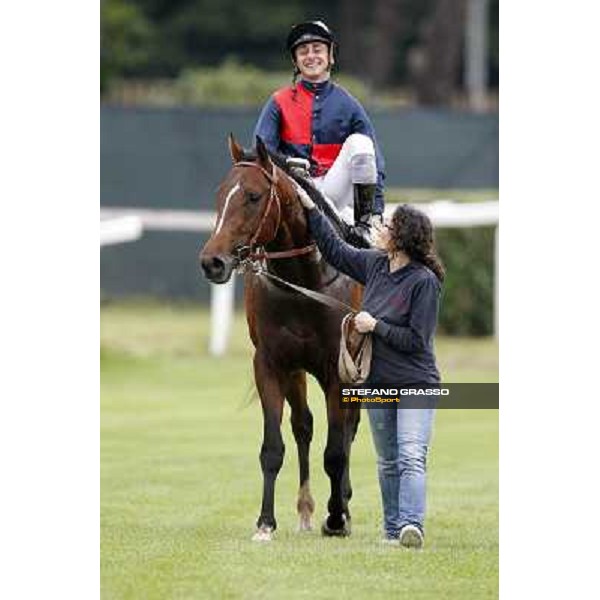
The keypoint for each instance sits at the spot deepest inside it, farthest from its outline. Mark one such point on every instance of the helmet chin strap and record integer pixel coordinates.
(296, 73)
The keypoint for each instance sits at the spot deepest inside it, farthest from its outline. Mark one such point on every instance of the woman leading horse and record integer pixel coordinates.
(402, 276)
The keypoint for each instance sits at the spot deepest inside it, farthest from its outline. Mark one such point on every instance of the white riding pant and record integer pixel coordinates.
(355, 164)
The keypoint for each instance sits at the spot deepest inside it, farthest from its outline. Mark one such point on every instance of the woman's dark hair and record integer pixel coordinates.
(412, 232)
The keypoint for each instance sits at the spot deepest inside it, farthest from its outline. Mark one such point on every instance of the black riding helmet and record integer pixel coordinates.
(309, 31)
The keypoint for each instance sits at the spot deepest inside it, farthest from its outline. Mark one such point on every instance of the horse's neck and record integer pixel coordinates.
(293, 233)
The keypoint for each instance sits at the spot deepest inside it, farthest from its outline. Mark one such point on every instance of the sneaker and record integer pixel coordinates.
(411, 537)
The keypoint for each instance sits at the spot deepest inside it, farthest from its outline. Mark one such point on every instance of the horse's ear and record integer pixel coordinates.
(236, 151)
(263, 154)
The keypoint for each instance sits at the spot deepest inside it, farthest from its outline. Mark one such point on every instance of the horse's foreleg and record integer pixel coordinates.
(273, 449)
(302, 427)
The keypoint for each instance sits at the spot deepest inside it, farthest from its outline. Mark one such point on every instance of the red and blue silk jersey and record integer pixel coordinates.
(312, 121)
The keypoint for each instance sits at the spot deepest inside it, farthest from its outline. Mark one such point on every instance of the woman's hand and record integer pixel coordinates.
(304, 197)
(364, 322)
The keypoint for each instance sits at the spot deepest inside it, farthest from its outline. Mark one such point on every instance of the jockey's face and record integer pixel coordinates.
(312, 59)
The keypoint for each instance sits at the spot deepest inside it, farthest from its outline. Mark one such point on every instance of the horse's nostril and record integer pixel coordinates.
(218, 264)
(206, 263)
(211, 265)
(214, 267)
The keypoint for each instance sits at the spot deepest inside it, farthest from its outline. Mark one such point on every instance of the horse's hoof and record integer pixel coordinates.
(263, 534)
(304, 524)
(343, 531)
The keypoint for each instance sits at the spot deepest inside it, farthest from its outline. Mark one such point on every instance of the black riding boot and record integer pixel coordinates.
(364, 195)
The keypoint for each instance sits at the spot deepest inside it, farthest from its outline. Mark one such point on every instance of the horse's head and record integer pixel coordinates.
(248, 211)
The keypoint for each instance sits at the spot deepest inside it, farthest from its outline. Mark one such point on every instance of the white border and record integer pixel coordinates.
(50, 300)
(549, 309)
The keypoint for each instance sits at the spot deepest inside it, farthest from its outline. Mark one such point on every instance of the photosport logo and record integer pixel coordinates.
(450, 395)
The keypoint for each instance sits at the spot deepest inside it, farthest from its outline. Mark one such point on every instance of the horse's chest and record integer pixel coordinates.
(294, 329)
(299, 337)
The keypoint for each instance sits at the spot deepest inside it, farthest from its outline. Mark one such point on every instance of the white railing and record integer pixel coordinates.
(117, 230)
(443, 214)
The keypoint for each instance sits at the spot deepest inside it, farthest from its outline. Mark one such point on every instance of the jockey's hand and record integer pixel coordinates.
(364, 322)
(304, 198)
(298, 166)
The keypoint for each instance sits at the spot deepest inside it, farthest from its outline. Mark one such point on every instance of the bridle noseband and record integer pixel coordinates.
(255, 240)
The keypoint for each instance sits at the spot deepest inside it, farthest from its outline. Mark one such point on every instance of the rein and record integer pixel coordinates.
(317, 296)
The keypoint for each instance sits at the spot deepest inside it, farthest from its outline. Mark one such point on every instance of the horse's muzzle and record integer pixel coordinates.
(217, 268)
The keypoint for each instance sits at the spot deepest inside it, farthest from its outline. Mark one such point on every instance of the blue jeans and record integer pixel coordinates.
(401, 438)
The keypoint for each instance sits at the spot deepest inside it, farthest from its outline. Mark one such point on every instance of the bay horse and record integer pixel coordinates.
(259, 215)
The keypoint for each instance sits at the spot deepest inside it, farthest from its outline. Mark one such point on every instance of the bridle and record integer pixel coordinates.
(255, 240)
(254, 260)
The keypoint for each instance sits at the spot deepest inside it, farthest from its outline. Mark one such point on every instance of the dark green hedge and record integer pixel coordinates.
(467, 306)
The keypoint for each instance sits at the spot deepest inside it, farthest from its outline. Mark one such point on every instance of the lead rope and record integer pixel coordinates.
(354, 370)
(317, 296)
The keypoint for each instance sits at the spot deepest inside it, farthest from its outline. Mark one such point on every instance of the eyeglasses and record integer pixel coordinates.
(382, 226)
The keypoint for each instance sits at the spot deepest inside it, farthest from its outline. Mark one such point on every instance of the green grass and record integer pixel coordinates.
(181, 482)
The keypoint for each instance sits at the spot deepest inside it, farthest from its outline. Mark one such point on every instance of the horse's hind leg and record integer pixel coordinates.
(302, 426)
(352, 427)
(336, 459)
(273, 449)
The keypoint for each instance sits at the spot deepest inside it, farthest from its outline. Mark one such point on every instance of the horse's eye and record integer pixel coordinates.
(252, 197)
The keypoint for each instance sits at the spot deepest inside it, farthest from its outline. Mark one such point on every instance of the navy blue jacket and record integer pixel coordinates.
(312, 121)
(405, 304)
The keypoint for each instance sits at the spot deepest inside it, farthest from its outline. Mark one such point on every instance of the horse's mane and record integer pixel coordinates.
(315, 195)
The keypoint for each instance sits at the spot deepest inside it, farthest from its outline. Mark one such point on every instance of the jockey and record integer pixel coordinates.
(321, 122)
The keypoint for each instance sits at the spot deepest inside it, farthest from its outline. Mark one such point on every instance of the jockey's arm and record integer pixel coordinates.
(267, 126)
